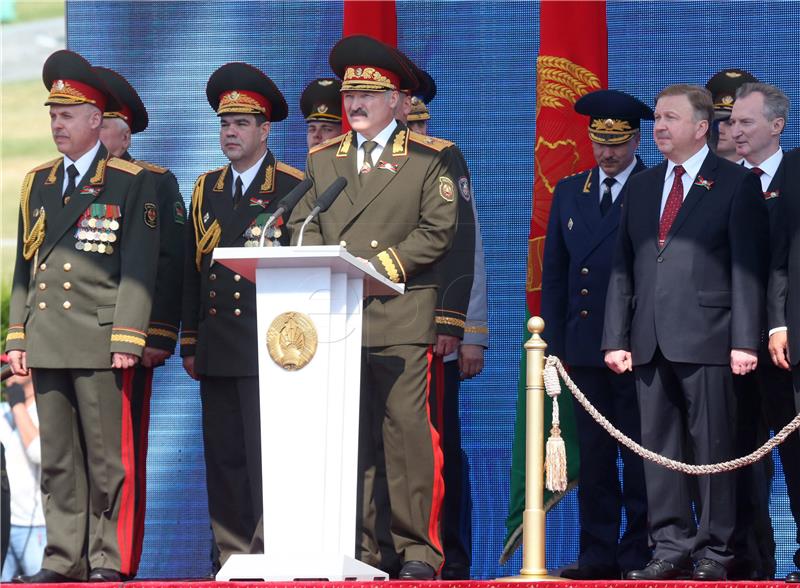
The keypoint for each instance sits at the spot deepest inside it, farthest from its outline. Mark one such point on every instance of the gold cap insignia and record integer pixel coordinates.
(323, 108)
(59, 85)
(325, 82)
(733, 74)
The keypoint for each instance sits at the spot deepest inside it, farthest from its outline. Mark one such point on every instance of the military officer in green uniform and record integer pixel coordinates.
(321, 105)
(398, 213)
(218, 337)
(162, 332)
(80, 306)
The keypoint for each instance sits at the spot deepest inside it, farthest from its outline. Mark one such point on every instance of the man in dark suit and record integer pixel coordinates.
(218, 336)
(80, 305)
(756, 125)
(398, 213)
(684, 313)
(783, 296)
(577, 262)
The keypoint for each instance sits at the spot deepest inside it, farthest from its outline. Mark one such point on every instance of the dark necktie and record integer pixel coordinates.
(366, 167)
(758, 171)
(72, 172)
(673, 205)
(605, 201)
(237, 194)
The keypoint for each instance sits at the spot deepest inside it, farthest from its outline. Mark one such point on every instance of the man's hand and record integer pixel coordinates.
(123, 360)
(470, 360)
(18, 360)
(188, 365)
(779, 349)
(619, 361)
(743, 361)
(153, 357)
(445, 345)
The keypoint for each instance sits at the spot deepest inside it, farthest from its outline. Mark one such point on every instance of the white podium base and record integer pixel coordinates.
(307, 566)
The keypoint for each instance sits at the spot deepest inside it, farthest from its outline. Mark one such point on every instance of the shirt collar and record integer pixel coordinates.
(769, 166)
(84, 161)
(691, 166)
(381, 138)
(622, 176)
(248, 175)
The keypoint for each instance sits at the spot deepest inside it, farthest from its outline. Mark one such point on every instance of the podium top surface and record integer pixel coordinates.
(245, 261)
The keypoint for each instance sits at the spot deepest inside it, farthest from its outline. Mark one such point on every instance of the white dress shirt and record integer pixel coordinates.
(621, 178)
(769, 166)
(82, 165)
(247, 176)
(381, 139)
(691, 167)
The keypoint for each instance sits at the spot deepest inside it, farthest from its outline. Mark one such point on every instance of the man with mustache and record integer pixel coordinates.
(80, 307)
(577, 263)
(398, 213)
(683, 312)
(321, 105)
(219, 346)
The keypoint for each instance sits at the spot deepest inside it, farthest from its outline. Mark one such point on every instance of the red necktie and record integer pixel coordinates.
(758, 171)
(673, 205)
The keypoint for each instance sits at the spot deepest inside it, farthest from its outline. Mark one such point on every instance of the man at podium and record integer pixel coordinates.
(397, 213)
(218, 340)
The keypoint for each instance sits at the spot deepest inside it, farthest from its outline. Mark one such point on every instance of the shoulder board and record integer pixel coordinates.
(126, 166)
(328, 143)
(213, 171)
(151, 167)
(47, 165)
(430, 142)
(291, 171)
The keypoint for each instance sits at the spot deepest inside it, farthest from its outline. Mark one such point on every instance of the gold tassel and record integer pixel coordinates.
(555, 462)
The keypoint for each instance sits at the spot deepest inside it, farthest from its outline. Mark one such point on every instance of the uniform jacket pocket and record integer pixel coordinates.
(105, 315)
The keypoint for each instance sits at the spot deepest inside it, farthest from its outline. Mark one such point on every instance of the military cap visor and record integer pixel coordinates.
(240, 88)
(321, 101)
(419, 111)
(366, 64)
(723, 86)
(132, 110)
(614, 116)
(72, 80)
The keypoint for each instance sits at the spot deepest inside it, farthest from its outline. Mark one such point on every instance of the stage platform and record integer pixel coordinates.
(418, 584)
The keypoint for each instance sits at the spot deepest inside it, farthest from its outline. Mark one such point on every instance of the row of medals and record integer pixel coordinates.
(253, 236)
(97, 235)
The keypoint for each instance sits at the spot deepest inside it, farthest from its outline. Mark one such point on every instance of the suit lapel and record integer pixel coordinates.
(222, 196)
(776, 183)
(241, 217)
(708, 171)
(344, 163)
(588, 201)
(61, 219)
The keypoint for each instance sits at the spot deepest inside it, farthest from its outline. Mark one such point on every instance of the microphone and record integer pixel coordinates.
(323, 203)
(285, 206)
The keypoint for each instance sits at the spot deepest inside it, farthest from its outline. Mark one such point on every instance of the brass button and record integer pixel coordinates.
(237, 277)
(236, 295)
(373, 244)
(42, 286)
(212, 294)
(67, 285)
(584, 271)
(212, 311)
(584, 292)
(212, 277)
(67, 266)
(237, 312)
(584, 313)
(67, 305)
(42, 267)
(342, 243)
(42, 305)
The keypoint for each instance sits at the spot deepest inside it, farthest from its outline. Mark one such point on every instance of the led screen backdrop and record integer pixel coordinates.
(482, 55)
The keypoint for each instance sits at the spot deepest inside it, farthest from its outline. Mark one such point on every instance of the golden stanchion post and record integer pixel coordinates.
(533, 517)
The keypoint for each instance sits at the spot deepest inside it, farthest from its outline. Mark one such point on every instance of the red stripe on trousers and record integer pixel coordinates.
(141, 472)
(438, 366)
(438, 463)
(126, 505)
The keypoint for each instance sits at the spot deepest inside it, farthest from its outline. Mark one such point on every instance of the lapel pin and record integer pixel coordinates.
(569, 224)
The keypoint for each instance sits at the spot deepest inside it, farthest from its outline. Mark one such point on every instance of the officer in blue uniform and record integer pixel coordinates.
(579, 247)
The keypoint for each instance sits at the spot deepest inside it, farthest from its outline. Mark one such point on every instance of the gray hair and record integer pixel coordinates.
(776, 103)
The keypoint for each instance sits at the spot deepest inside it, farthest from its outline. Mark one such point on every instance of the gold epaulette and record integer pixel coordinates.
(151, 167)
(328, 143)
(291, 171)
(123, 165)
(216, 169)
(47, 165)
(431, 142)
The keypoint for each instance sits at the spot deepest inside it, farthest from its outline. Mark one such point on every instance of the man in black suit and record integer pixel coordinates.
(756, 125)
(783, 295)
(577, 263)
(684, 309)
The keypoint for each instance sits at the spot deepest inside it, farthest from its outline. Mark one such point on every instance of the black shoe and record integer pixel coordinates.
(43, 576)
(104, 575)
(416, 570)
(455, 572)
(591, 572)
(708, 570)
(793, 577)
(659, 569)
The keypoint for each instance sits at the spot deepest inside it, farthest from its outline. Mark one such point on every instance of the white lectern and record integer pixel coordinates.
(309, 304)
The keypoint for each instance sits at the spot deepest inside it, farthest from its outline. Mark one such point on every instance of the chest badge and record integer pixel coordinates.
(569, 224)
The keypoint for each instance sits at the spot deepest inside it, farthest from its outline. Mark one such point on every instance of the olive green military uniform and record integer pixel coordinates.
(402, 219)
(162, 331)
(219, 330)
(83, 285)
